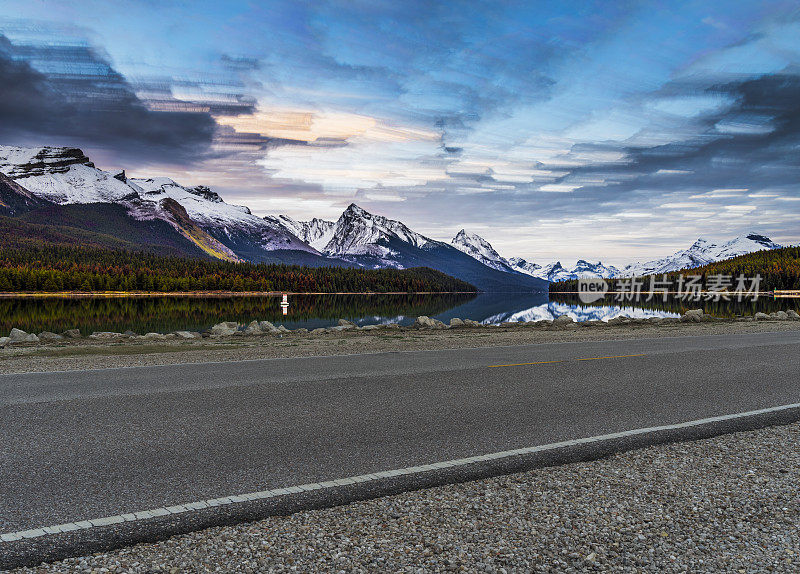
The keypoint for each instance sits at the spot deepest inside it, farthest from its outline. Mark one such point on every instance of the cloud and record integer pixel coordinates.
(72, 95)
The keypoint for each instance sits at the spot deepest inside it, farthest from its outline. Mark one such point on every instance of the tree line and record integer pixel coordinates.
(57, 268)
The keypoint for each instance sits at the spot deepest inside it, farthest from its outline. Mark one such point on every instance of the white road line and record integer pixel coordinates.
(275, 493)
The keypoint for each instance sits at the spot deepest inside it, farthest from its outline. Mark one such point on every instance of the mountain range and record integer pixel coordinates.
(701, 252)
(61, 187)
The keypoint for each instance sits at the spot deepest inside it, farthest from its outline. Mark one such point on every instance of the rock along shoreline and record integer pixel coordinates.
(19, 338)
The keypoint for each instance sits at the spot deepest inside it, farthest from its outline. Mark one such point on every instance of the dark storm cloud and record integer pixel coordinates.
(72, 94)
(750, 144)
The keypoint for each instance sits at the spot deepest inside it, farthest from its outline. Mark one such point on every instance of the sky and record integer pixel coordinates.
(613, 131)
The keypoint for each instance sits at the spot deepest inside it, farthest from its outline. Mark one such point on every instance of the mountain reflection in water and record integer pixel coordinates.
(165, 314)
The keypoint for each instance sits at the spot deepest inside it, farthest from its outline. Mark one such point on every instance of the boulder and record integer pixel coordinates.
(187, 335)
(472, 323)
(3, 342)
(456, 322)
(301, 330)
(318, 331)
(564, 322)
(154, 337)
(72, 334)
(50, 337)
(780, 315)
(391, 326)
(761, 317)
(283, 329)
(20, 336)
(346, 323)
(225, 329)
(106, 335)
(254, 328)
(266, 326)
(369, 328)
(792, 315)
(424, 322)
(692, 316)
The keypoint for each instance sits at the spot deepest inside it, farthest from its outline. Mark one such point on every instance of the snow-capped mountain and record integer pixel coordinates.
(55, 185)
(701, 252)
(66, 176)
(478, 248)
(522, 266)
(584, 268)
(374, 241)
(317, 232)
(361, 233)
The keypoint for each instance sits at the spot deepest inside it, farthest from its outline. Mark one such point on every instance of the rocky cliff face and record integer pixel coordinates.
(19, 163)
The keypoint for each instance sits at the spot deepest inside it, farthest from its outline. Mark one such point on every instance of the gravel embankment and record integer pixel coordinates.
(83, 354)
(727, 504)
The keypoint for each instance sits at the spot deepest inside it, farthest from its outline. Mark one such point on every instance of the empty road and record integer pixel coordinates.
(82, 445)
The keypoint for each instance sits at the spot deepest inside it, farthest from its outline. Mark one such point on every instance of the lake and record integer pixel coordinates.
(165, 314)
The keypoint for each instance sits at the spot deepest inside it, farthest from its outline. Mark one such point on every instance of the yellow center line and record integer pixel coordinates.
(564, 361)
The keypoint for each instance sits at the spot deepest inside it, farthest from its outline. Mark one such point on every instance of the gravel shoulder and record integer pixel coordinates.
(85, 354)
(728, 504)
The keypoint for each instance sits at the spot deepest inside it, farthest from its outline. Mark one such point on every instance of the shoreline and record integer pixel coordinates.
(210, 294)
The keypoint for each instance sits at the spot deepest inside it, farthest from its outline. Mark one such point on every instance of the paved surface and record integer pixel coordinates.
(727, 504)
(83, 445)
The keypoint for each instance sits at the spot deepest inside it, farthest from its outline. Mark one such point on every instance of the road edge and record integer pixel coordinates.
(109, 533)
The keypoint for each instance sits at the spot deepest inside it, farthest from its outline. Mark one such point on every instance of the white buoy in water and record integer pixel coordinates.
(285, 303)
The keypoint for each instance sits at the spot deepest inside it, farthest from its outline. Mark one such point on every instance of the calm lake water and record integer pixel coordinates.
(165, 314)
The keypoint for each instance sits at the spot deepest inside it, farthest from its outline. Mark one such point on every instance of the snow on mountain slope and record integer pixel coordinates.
(61, 175)
(526, 267)
(359, 232)
(20, 162)
(317, 232)
(374, 241)
(66, 176)
(701, 252)
(584, 268)
(478, 248)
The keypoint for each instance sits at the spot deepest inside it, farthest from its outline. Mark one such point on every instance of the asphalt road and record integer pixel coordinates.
(87, 444)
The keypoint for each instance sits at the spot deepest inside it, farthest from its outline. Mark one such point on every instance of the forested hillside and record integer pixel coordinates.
(54, 268)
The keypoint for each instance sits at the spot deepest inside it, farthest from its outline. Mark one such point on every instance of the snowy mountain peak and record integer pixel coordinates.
(354, 210)
(317, 232)
(359, 232)
(478, 248)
